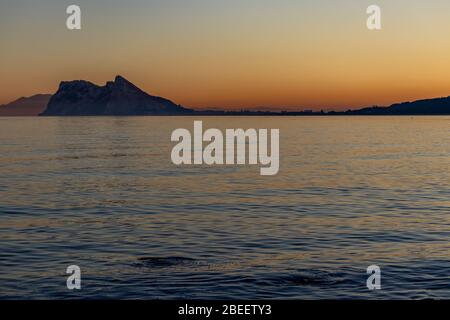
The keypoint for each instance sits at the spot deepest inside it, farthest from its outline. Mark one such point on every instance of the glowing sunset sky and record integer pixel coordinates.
(230, 53)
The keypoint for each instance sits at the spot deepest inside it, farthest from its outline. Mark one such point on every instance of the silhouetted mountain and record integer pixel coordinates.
(122, 98)
(26, 106)
(118, 98)
(438, 106)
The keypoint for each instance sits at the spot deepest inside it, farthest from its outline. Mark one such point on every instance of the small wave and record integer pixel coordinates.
(310, 278)
(165, 262)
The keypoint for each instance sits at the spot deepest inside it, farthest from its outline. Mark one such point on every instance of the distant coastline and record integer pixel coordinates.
(122, 98)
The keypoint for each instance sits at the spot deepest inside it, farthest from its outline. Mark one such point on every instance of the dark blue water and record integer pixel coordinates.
(102, 193)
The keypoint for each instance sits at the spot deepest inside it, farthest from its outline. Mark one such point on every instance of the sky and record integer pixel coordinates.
(285, 54)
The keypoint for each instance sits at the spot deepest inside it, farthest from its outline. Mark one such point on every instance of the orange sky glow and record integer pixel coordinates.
(230, 54)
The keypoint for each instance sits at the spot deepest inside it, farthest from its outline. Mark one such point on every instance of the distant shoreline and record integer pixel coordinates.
(122, 98)
(193, 113)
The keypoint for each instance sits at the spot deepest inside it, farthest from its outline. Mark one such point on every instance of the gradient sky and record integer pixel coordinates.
(232, 53)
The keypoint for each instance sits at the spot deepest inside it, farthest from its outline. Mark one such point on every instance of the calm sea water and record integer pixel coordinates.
(103, 194)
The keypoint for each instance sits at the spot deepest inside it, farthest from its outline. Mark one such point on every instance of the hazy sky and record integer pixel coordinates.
(232, 53)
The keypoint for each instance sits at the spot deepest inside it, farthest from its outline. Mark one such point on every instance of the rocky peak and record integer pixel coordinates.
(118, 97)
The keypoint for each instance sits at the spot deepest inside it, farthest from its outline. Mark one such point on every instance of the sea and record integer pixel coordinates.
(102, 193)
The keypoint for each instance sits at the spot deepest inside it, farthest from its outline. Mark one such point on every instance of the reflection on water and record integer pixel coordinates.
(102, 193)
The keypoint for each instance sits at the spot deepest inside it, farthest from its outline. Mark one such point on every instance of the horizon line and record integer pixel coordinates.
(263, 108)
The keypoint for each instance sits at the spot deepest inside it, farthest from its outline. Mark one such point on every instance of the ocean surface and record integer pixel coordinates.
(103, 194)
